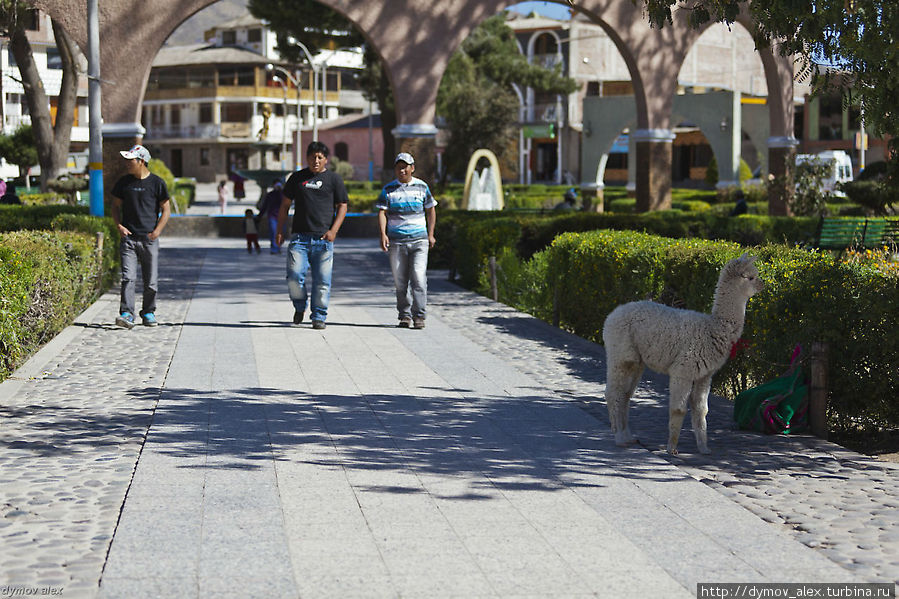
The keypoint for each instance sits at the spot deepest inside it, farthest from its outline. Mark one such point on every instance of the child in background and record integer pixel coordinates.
(251, 230)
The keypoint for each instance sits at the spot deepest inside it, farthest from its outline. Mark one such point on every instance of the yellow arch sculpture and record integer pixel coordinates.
(494, 169)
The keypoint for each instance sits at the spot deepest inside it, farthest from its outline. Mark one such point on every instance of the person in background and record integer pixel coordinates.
(406, 218)
(140, 209)
(741, 207)
(251, 230)
(320, 205)
(223, 196)
(271, 206)
(9, 195)
(568, 201)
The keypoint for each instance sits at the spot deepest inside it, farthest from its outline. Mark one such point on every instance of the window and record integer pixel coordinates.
(233, 112)
(254, 35)
(593, 88)
(205, 113)
(239, 76)
(204, 156)
(54, 60)
(229, 38)
(830, 117)
(341, 150)
(175, 115)
(33, 20)
(201, 78)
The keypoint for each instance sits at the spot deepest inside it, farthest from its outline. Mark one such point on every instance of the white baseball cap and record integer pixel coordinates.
(137, 151)
(404, 157)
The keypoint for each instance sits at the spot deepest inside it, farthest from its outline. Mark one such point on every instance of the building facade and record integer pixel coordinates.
(232, 103)
(722, 59)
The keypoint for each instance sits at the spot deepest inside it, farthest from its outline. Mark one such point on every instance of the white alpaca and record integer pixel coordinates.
(688, 346)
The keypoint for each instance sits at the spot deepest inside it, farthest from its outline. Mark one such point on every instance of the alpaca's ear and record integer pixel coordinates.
(748, 258)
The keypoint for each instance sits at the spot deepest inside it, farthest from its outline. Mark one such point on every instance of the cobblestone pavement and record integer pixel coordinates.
(82, 430)
(72, 431)
(839, 502)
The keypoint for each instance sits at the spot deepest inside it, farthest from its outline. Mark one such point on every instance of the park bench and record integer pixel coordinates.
(841, 233)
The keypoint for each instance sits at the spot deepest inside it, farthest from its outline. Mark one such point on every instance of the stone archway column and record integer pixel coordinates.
(781, 163)
(118, 137)
(593, 195)
(653, 168)
(421, 142)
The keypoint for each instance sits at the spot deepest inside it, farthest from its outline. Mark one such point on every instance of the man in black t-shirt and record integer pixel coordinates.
(140, 209)
(320, 205)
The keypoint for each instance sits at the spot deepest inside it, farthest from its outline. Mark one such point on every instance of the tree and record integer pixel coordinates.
(51, 138)
(19, 148)
(859, 37)
(476, 97)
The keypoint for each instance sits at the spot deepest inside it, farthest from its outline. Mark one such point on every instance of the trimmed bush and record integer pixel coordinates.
(808, 297)
(48, 278)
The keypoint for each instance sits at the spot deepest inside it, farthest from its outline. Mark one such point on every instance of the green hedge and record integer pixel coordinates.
(808, 296)
(467, 239)
(50, 271)
(17, 218)
(47, 278)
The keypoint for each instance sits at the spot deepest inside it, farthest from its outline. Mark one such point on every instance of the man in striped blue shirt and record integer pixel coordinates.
(406, 217)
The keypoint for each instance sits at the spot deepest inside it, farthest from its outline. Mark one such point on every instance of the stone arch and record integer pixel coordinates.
(415, 41)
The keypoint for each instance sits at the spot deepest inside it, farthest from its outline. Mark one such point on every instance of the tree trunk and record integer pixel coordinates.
(66, 104)
(52, 141)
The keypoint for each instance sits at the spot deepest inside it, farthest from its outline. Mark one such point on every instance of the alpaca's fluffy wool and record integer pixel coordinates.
(688, 346)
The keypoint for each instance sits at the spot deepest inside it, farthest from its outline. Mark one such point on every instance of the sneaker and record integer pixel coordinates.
(297, 317)
(418, 323)
(405, 322)
(318, 324)
(149, 319)
(125, 320)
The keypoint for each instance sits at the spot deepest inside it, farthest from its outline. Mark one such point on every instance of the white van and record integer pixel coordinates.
(840, 168)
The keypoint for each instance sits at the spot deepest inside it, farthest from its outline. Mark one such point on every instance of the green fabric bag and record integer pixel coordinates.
(779, 406)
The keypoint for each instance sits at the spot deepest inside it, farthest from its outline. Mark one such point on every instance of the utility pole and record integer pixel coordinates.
(95, 126)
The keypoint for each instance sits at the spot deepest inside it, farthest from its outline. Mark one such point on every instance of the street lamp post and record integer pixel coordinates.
(296, 81)
(283, 119)
(295, 42)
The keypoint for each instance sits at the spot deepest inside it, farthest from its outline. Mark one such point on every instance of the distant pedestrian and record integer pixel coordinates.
(223, 196)
(740, 207)
(320, 204)
(406, 218)
(140, 209)
(270, 208)
(568, 201)
(251, 230)
(9, 195)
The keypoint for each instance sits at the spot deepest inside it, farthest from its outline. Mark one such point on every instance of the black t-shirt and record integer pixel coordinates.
(141, 201)
(315, 200)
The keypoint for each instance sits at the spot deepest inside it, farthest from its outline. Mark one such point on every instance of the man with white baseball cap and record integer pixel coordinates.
(406, 218)
(140, 209)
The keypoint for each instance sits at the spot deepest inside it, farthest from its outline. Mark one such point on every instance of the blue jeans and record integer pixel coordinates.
(409, 263)
(272, 232)
(309, 253)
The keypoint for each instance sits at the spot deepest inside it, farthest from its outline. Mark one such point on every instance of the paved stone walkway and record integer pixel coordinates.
(228, 454)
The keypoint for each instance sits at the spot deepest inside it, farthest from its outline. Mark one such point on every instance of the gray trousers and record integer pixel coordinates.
(409, 263)
(134, 249)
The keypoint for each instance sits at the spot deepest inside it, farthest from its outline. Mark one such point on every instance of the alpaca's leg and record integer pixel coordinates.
(621, 383)
(677, 409)
(699, 408)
